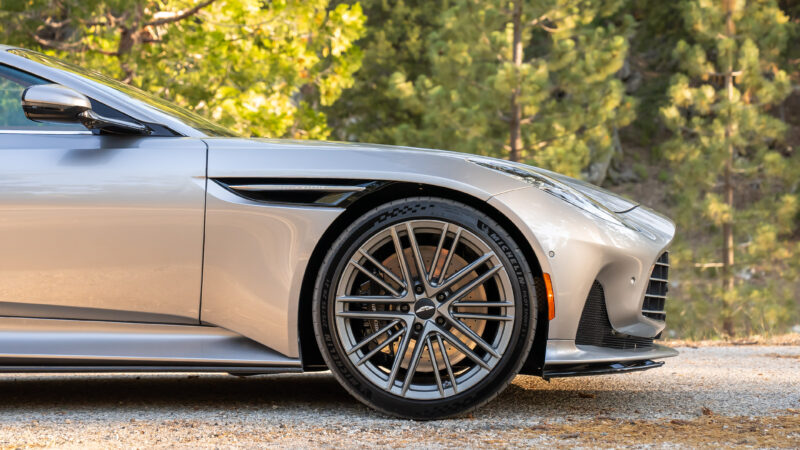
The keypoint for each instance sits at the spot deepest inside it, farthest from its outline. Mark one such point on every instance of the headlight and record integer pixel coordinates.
(610, 200)
(552, 187)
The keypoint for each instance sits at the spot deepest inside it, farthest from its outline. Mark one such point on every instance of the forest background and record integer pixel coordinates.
(692, 107)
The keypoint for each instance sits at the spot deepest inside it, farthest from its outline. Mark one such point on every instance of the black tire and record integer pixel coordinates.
(517, 342)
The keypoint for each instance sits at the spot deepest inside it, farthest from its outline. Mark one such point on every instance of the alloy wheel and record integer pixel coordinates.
(424, 309)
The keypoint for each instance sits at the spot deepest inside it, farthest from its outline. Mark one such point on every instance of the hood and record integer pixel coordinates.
(372, 158)
(277, 158)
(609, 200)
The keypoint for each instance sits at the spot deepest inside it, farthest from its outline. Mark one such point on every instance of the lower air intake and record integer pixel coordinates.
(595, 328)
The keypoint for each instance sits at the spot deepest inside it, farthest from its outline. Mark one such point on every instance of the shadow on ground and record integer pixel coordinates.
(528, 397)
(171, 391)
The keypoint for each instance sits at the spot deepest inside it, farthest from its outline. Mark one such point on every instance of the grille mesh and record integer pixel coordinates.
(595, 328)
(656, 295)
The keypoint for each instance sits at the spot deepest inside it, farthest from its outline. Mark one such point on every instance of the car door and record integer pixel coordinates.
(97, 227)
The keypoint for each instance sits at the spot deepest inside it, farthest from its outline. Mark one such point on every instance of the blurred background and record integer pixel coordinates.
(690, 106)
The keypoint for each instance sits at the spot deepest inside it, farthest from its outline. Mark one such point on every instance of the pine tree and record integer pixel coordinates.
(735, 180)
(395, 45)
(529, 81)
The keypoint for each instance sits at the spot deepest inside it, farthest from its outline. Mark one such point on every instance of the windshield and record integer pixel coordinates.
(189, 118)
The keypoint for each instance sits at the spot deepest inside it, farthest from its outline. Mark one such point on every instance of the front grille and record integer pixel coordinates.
(656, 294)
(595, 328)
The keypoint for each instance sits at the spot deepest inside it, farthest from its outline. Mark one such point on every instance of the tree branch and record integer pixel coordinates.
(538, 20)
(64, 47)
(546, 28)
(177, 16)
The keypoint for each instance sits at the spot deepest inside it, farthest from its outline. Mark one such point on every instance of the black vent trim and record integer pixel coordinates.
(595, 327)
(654, 304)
(331, 192)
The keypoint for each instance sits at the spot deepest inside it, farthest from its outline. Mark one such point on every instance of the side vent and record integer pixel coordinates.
(300, 191)
(656, 295)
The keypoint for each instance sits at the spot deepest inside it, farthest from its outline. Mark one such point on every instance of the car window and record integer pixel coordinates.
(12, 83)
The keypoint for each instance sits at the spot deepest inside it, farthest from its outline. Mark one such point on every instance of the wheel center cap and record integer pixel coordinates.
(424, 308)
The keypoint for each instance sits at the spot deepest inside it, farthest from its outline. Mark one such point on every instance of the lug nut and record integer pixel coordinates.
(419, 289)
(404, 308)
(440, 297)
(417, 326)
(440, 320)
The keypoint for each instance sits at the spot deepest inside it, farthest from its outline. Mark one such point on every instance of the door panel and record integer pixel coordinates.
(101, 227)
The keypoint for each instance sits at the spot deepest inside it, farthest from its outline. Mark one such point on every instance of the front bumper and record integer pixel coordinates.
(591, 258)
(578, 250)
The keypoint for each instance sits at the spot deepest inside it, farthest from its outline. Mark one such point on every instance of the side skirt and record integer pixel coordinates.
(52, 345)
(233, 370)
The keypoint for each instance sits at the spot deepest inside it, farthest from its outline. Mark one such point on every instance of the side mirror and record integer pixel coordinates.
(56, 103)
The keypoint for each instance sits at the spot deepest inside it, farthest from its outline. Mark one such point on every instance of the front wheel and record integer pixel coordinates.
(424, 308)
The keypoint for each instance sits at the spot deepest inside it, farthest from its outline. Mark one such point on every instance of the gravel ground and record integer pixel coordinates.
(708, 396)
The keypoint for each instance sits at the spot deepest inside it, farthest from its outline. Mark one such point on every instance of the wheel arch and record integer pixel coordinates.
(309, 351)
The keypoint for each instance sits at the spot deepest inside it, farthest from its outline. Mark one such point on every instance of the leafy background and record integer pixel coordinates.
(690, 106)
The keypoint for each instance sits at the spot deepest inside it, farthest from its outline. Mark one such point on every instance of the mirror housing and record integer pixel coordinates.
(56, 103)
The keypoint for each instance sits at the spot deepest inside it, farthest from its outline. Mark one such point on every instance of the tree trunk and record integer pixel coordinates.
(727, 227)
(516, 109)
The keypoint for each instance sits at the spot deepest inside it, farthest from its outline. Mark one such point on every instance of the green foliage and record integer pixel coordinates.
(11, 114)
(591, 76)
(449, 84)
(395, 46)
(715, 131)
(262, 68)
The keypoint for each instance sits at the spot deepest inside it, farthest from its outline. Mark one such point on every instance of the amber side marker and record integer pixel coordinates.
(551, 300)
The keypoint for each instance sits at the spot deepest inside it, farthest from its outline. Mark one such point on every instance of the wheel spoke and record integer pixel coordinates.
(377, 315)
(465, 270)
(469, 287)
(372, 337)
(383, 345)
(483, 304)
(383, 268)
(477, 316)
(438, 252)
(421, 270)
(416, 355)
(435, 365)
(446, 358)
(398, 359)
(375, 278)
(473, 336)
(375, 299)
(401, 259)
(450, 254)
(450, 337)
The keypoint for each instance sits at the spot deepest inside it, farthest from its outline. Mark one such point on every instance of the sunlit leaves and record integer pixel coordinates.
(261, 68)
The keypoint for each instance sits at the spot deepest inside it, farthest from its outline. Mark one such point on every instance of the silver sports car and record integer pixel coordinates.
(137, 236)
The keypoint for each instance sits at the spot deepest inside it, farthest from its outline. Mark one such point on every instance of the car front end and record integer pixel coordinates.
(608, 263)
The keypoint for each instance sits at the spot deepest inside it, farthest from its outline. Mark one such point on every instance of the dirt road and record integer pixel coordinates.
(736, 396)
